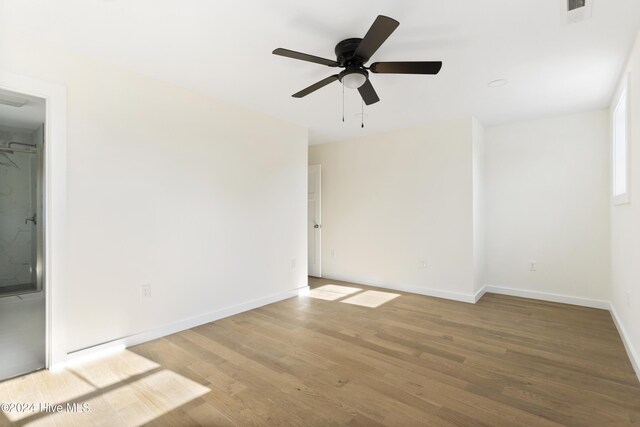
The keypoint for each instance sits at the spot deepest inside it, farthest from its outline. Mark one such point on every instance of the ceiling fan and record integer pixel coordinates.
(353, 53)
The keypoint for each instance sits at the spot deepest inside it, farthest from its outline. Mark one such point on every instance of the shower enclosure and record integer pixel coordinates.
(23, 286)
(21, 254)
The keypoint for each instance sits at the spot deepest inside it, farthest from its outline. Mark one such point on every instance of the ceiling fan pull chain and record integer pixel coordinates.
(343, 102)
(362, 113)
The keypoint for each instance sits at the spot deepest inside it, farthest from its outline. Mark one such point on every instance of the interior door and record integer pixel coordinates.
(314, 223)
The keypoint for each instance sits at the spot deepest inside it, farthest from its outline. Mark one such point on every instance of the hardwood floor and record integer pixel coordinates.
(338, 357)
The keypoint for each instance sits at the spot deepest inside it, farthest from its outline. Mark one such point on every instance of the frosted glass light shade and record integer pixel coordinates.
(354, 80)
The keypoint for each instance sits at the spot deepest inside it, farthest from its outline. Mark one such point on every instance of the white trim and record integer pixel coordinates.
(55, 206)
(420, 290)
(621, 199)
(584, 302)
(545, 296)
(181, 325)
(622, 93)
(472, 298)
(479, 294)
(631, 352)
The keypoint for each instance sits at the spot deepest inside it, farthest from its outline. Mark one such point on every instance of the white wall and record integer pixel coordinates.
(203, 200)
(392, 201)
(547, 200)
(625, 222)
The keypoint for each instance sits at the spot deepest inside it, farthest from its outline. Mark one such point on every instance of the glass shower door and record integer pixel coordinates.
(20, 251)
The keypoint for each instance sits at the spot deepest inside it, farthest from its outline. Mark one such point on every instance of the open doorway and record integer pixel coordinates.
(22, 296)
(314, 221)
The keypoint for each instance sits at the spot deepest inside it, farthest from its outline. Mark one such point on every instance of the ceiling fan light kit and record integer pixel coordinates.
(353, 79)
(352, 55)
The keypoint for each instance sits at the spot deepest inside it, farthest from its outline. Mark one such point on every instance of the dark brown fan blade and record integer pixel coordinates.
(368, 93)
(304, 57)
(425, 67)
(381, 29)
(322, 83)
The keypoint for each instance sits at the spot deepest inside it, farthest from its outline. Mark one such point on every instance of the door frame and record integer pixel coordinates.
(318, 168)
(54, 208)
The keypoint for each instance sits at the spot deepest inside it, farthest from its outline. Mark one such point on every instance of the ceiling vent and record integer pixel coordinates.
(576, 10)
(575, 4)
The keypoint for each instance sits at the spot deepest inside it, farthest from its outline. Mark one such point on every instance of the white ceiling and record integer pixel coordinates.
(28, 117)
(223, 48)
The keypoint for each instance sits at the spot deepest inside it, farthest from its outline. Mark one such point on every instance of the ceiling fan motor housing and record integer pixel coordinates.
(345, 52)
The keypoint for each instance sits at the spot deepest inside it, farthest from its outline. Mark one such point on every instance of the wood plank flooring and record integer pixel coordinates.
(339, 358)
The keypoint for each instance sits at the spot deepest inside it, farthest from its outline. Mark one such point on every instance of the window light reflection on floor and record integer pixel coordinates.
(134, 389)
(372, 299)
(109, 370)
(350, 295)
(332, 292)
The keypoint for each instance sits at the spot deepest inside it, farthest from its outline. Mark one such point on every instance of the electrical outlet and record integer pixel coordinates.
(423, 263)
(533, 265)
(333, 253)
(145, 292)
(293, 263)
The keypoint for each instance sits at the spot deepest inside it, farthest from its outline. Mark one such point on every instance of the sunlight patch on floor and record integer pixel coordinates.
(332, 292)
(124, 386)
(39, 388)
(151, 397)
(107, 371)
(371, 299)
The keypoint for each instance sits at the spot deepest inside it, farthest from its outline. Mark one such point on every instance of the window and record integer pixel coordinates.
(620, 151)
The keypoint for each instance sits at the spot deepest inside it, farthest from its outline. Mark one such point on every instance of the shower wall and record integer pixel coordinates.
(18, 201)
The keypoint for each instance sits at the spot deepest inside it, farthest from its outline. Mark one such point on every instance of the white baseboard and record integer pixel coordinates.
(631, 352)
(544, 296)
(584, 302)
(430, 292)
(471, 298)
(175, 327)
(456, 296)
(479, 294)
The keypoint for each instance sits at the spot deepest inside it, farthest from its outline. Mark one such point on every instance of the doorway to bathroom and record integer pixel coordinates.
(22, 296)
